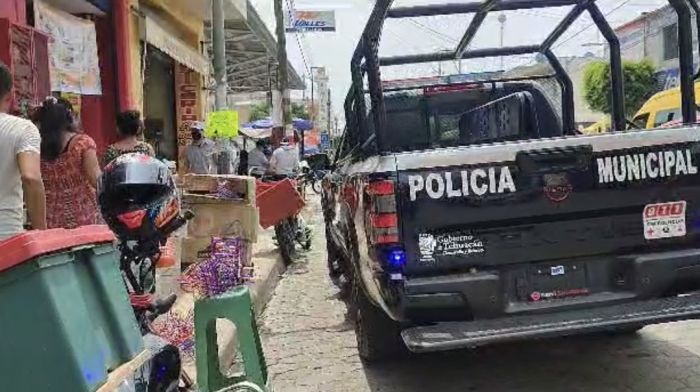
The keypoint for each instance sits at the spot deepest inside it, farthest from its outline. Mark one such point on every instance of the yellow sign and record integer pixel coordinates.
(75, 101)
(222, 124)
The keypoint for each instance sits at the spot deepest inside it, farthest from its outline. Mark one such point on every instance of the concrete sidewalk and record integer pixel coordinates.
(269, 268)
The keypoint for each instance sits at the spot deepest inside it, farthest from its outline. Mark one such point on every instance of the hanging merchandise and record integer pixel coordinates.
(177, 329)
(73, 61)
(223, 270)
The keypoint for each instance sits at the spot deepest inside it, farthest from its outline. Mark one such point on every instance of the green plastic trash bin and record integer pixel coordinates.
(65, 316)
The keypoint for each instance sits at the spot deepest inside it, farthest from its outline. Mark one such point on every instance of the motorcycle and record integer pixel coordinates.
(163, 372)
(138, 200)
(289, 231)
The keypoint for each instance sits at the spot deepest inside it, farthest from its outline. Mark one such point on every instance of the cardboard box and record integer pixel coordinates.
(194, 249)
(221, 218)
(203, 184)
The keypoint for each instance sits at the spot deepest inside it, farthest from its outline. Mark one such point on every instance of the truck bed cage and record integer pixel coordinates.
(366, 61)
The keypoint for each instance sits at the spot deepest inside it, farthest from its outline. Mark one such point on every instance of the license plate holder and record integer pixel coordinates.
(553, 281)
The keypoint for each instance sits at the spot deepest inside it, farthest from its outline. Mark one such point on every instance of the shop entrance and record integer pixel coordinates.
(159, 103)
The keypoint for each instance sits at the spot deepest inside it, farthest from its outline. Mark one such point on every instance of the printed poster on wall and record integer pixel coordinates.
(73, 60)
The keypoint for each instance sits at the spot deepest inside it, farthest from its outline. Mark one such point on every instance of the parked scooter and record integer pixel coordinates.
(139, 201)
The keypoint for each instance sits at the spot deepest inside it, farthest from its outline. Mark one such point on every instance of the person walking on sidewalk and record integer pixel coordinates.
(130, 132)
(69, 166)
(20, 168)
(197, 156)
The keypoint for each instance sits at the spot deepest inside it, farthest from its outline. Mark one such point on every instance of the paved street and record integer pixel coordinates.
(310, 347)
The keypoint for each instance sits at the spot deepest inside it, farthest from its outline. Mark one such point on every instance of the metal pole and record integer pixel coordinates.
(218, 34)
(313, 113)
(223, 158)
(328, 113)
(282, 71)
(502, 21)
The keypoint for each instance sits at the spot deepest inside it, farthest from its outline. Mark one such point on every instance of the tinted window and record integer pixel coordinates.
(664, 116)
(641, 120)
(406, 130)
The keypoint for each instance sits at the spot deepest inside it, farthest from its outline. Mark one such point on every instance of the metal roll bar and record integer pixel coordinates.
(366, 60)
(685, 58)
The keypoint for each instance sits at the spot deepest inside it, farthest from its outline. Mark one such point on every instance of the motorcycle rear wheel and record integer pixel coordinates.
(285, 234)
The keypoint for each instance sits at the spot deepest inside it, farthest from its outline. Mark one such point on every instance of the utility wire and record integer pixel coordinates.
(290, 8)
(590, 25)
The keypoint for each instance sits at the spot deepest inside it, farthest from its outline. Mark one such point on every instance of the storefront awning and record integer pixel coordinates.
(251, 51)
(94, 7)
(157, 35)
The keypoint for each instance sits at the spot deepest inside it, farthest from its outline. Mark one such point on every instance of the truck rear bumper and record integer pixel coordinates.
(455, 335)
(510, 290)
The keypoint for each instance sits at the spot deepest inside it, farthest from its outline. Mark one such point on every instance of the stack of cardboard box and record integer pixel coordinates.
(224, 206)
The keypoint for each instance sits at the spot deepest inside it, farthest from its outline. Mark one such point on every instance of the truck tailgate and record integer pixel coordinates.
(507, 203)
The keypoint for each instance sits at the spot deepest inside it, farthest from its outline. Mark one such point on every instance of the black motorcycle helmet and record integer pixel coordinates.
(138, 198)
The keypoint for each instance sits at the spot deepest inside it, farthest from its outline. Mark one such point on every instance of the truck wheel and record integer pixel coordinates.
(624, 331)
(378, 336)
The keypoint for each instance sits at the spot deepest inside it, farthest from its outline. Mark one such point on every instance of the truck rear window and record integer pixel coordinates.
(487, 113)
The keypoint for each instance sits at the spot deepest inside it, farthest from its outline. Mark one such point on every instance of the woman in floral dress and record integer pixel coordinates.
(69, 166)
(130, 130)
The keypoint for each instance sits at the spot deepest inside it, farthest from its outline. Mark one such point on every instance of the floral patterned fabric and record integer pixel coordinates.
(70, 199)
(113, 152)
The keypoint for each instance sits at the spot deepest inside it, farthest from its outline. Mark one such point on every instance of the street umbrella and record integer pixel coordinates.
(302, 125)
(263, 123)
(297, 123)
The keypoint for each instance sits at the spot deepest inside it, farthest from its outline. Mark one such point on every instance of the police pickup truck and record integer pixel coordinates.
(471, 213)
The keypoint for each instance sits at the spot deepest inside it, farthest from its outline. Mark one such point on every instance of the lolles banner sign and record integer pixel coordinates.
(302, 21)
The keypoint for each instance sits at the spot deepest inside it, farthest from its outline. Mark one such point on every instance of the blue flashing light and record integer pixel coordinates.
(396, 258)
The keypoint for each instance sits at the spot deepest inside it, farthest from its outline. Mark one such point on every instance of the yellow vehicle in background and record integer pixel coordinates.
(663, 107)
(601, 126)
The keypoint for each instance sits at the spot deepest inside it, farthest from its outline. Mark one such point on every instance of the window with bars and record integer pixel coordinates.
(670, 37)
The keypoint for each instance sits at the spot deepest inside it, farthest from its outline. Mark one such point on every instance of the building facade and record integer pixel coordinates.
(168, 70)
(654, 36)
(146, 56)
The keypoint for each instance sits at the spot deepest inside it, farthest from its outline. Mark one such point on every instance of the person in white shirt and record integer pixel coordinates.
(285, 159)
(20, 167)
(257, 161)
(197, 157)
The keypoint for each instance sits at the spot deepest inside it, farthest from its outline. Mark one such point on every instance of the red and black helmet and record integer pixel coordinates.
(138, 197)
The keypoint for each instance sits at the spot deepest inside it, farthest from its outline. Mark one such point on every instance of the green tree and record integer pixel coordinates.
(259, 111)
(640, 84)
(262, 110)
(299, 111)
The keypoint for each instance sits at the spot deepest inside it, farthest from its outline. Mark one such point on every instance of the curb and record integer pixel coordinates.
(269, 268)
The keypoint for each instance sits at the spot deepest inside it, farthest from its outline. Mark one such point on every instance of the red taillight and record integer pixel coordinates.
(387, 239)
(380, 188)
(451, 88)
(383, 220)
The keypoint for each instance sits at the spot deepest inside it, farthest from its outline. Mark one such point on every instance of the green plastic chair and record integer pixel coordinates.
(237, 307)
